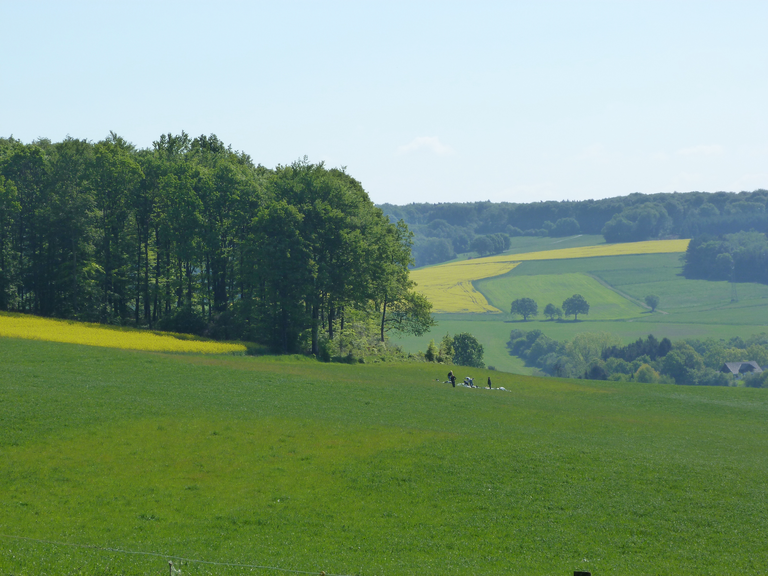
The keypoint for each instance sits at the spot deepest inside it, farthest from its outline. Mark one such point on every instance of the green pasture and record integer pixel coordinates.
(640, 275)
(605, 304)
(615, 287)
(368, 469)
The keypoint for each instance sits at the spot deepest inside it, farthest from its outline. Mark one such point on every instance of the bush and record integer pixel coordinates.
(184, 320)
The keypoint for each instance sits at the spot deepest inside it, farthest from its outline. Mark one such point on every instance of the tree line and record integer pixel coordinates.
(602, 356)
(446, 229)
(740, 257)
(573, 306)
(190, 235)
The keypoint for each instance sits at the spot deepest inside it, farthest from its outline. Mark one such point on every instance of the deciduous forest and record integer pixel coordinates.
(192, 236)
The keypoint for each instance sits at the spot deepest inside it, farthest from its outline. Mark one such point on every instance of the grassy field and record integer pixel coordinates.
(605, 304)
(367, 470)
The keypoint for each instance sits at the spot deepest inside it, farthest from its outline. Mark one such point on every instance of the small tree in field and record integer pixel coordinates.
(551, 310)
(575, 305)
(525, 307)
(431, 353)
(652, 301)
(467, 351)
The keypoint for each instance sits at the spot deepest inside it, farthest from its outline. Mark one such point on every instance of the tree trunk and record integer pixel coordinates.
(315, 343)
(383, 317)
(138, 274)
(147, 311)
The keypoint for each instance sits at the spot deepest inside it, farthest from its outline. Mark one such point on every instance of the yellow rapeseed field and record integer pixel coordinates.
(35, 328)
(449, 286)
(623, 249)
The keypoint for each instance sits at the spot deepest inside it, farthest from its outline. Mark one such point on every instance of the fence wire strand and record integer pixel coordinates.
(167, 556)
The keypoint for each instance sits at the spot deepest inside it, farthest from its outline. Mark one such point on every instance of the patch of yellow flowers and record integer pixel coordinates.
(35, 328)
(449, 286)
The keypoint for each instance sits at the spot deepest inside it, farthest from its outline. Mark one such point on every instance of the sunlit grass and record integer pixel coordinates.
(449, 286)
(36, 328)
(368, 469)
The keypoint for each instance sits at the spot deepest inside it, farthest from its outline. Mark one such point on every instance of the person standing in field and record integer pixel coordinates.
(489, 383)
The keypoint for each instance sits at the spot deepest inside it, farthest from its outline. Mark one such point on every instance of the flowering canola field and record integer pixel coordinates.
(449, 286)
(35, 328)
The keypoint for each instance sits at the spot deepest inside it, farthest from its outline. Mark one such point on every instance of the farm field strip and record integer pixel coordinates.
(623, 249)
(36, 328)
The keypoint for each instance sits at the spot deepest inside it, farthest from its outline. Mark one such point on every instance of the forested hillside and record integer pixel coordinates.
(444, 230)
(192, 236)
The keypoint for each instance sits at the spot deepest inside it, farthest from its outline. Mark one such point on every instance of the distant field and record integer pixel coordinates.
(693, 308)
(450, 286)
(521, 244)
(605, 304)
(660, 274)
(623, 249)
(367, 469)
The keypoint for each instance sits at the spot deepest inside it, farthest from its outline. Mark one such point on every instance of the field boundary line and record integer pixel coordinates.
(166, 556)
(623, 294)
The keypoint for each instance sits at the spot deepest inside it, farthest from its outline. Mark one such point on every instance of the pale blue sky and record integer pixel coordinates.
(422, 101)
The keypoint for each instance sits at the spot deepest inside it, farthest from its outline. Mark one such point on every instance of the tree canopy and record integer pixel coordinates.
(524, 307)
(575, 305)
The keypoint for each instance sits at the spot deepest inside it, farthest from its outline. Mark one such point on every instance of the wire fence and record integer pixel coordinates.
(170, 557)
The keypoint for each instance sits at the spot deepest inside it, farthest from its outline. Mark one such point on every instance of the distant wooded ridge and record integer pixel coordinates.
(444, 230)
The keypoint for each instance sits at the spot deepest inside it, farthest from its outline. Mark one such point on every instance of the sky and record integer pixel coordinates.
(420, 101)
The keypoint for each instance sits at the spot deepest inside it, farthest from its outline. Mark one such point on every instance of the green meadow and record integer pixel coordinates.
(615, 287)
(109, 456)
(605, 304)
